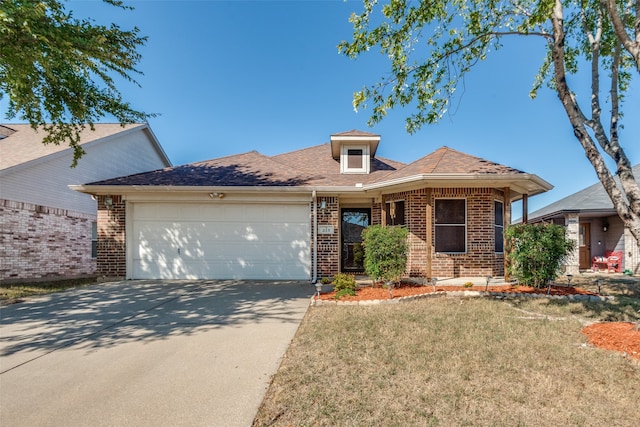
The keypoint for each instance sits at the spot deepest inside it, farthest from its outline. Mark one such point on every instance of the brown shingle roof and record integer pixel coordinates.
(448, 161)
(318, 160)
(310, 167)
(248, 169)
(355, 132)
(24, 144)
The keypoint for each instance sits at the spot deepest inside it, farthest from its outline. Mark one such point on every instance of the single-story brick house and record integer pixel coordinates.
(46, 229)
(594, 224)
(299, 215)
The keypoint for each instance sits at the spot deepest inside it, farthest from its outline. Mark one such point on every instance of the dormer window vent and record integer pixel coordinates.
(355, 150)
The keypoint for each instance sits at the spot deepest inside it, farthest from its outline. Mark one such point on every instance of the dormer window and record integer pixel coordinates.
(355, 150)
(354, 159)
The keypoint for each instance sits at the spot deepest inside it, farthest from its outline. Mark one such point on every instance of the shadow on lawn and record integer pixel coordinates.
(108, 314)
(625, 307)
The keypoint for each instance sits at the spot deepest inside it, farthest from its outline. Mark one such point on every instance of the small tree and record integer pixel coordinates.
(385, 252)
(537, 252)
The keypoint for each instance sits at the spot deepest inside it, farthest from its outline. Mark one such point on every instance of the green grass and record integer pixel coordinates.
(452, 361)
(17, 292)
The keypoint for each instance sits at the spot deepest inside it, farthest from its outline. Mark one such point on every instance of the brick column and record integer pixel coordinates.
(112, 257)
(572, 222)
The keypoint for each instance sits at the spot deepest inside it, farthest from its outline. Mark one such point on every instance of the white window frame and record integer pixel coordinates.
(466, 224)
(344, 159)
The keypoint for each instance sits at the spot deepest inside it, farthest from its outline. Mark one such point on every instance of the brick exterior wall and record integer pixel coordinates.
(112, 255)
(39, 242)
(480, 258)
(329, 244)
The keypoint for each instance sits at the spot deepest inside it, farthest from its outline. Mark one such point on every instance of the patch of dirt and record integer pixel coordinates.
(408, 289)
(617, 336)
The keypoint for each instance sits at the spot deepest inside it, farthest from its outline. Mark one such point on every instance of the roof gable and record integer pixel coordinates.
(592, 198)
(448, 161)
(23, 144)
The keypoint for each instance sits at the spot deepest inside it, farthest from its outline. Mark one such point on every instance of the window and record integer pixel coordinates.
(395, 213)
(94, 239)
(498, 222)
(354, 159)
(451, 225)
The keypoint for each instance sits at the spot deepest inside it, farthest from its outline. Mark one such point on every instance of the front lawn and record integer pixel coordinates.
(456, 361)
(17, 292)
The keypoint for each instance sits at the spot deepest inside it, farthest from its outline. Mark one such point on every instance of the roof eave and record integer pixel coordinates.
(522, 183)
(123, 189)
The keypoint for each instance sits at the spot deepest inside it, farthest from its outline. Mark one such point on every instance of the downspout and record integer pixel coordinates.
(314, 278)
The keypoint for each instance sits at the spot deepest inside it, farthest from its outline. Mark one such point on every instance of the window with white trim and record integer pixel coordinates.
(354, 159)
(451, 225)
(498, 222)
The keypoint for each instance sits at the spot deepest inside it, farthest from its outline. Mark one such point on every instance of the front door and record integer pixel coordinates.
(584, 245)
(354, 221)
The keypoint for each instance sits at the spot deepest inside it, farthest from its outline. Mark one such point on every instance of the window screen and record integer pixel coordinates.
(451, 225)
(354, 159)
(499, 225)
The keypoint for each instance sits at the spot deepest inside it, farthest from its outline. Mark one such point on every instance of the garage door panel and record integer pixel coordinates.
(202, 241)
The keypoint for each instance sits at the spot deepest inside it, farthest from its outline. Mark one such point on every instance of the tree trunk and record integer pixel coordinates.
(628, 208)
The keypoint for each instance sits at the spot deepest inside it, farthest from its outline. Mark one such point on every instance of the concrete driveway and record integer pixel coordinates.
(146, 353)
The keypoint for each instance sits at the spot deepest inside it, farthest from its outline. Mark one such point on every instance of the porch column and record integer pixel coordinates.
(572, 222)
(525, 208)
(507, 222)
(429, 233)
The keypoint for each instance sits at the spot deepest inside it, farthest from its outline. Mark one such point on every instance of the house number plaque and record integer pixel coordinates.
(325, 229)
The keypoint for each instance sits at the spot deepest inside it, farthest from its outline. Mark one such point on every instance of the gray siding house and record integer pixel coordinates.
(594, 224)
(46, 229)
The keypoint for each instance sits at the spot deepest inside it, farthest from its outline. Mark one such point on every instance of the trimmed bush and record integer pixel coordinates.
(385, 252)
(344, 284)
(537, 252)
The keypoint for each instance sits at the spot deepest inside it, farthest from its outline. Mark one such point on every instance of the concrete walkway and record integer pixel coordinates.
(146, 353)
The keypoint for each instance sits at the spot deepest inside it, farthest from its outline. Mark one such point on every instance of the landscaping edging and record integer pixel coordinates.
(474, 294)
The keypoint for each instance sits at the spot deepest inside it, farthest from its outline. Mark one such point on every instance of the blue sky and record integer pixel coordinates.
(228, 77)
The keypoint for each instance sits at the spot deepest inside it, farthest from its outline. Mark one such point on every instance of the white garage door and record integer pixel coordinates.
(220, 241)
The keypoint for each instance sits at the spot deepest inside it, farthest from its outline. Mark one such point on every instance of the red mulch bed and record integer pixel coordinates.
(617, 336)
(408, 289)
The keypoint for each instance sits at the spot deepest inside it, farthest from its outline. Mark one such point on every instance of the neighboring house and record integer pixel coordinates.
(594, 224)
(300, 215)
(46, 229)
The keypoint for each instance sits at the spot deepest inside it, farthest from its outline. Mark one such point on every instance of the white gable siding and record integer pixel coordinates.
(46, 182)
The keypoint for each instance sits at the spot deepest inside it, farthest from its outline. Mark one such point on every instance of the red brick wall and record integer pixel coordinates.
(480, 258)
(328, 244)
(40, 242)
(112, 261)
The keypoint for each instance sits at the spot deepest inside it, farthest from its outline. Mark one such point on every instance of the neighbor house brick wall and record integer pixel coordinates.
(38, 242)
(112, 260)
(329, 244)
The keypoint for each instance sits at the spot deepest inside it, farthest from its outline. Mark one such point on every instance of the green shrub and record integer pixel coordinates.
(385, 252)
(344, 284)
(537, 251)
(468, 285)
(325, 280)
